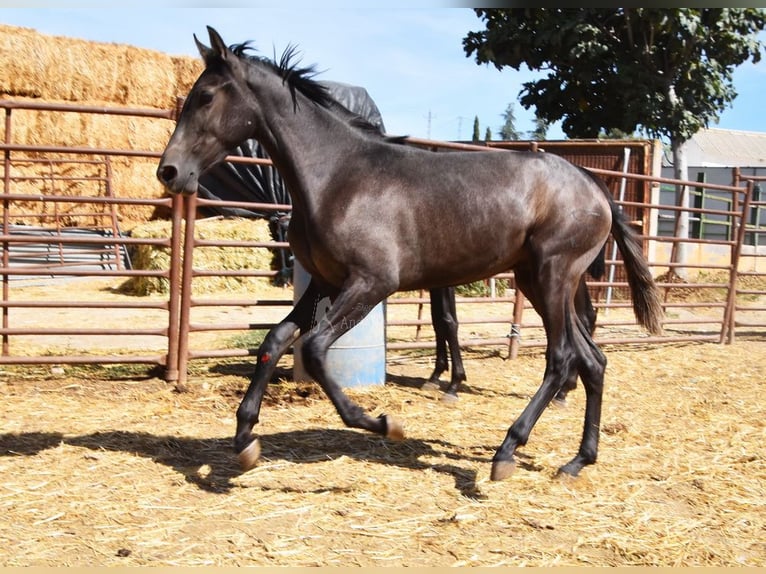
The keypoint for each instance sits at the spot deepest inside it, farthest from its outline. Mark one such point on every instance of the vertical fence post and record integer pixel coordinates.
(6, 224)
(621, 198)
(727, 326)
(515, 335)
(174, 301)
(187, 275)
(420, 315)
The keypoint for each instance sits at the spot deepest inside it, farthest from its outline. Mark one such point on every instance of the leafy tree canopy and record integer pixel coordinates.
(667, 72)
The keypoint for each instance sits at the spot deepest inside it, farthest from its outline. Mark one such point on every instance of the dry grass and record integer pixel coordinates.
(121, 470)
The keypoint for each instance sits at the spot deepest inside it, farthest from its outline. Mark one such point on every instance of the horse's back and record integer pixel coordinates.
(521, 189)
(466, 215)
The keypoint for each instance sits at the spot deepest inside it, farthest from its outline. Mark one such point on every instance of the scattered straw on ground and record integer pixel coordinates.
(121, 470)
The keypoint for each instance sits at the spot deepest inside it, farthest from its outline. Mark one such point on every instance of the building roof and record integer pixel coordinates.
(714, 147)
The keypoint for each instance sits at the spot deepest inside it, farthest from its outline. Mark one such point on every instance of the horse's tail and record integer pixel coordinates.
(597, 268)
(646, 298)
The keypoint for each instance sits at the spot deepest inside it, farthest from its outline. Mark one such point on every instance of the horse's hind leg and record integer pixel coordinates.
(561, 361)
(592, 365)
(587, 315)
(353, 303)
(277, 341)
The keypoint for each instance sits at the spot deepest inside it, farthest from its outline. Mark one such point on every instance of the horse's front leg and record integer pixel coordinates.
(354, 302)
(277, 341)
(450, 317)
(444, 319)
(440, 330)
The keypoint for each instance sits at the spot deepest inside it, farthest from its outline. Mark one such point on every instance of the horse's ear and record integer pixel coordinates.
(217, 44)
(217, 50)
(204, 51)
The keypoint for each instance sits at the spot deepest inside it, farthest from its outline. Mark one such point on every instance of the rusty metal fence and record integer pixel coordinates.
(709, 306)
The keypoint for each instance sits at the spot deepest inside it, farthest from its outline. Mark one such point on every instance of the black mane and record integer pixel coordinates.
(301, 79)
(296, 78)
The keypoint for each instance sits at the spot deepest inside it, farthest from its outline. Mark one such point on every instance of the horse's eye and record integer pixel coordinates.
(205, 98)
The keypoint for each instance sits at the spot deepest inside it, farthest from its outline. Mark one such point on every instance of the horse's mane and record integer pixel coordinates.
(301, 79)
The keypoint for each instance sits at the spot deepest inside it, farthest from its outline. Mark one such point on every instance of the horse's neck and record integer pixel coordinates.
(306, 143)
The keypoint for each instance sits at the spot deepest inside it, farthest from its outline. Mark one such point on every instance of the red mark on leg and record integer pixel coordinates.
(265, 358)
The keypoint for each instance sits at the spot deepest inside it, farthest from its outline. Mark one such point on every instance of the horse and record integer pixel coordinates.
(372, 217)
(263, 184)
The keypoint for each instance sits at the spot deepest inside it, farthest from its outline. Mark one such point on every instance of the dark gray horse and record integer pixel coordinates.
(232, 181)
(364, 209)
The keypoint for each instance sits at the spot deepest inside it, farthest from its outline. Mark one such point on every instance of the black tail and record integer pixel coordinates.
(598, 267)
(646, 298)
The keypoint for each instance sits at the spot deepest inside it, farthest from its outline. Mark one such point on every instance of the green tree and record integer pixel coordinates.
(508, 130)
(475, 137)
(488, 135)
(615, 134)
(666, 72)
(541, 129)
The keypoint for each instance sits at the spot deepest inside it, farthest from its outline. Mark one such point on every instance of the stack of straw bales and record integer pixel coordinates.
(56, 69)
(53, 69)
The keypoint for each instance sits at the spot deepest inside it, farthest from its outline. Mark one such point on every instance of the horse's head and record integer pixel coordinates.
(212, 121)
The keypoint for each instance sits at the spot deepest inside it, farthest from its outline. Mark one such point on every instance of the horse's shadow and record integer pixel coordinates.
(416, 383)
(210, 464)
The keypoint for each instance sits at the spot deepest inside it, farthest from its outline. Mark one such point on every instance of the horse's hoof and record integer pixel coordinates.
(449, 399)
(394, 429)
(502, 469)
(564, 476)
(429, 386)
(570, 470)
(249, 456)
(559, 403)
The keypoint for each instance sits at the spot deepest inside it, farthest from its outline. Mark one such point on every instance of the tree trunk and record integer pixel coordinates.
(679, 253)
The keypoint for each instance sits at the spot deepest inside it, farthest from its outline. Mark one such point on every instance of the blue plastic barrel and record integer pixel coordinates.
(358, 357)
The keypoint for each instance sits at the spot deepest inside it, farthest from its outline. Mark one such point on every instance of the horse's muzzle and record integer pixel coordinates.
(167, 174)
(169, 177)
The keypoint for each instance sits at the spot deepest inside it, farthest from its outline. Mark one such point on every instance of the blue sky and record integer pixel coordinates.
(408, 55)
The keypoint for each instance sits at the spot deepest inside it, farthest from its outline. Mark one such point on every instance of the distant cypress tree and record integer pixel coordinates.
(508, 130)
(541, 130)
(488, 135)
(475, 129)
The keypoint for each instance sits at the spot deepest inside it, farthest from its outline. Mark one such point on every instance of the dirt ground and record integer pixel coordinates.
(111, 466)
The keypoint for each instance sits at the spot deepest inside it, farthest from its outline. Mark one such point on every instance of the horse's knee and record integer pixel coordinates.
(561, 362)
(592, 369)
(449, 324)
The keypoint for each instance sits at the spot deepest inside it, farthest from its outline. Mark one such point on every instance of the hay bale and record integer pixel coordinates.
(53, 68)
(187, 71)
(150, 257)
(56, 68)
(37, 67)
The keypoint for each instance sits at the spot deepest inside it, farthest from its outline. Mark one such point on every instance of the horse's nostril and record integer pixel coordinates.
(167, 173)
